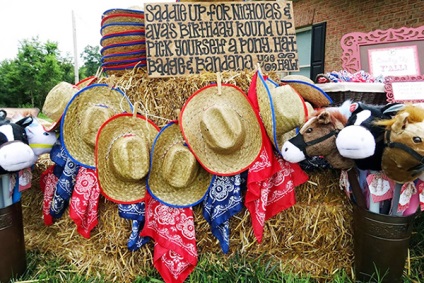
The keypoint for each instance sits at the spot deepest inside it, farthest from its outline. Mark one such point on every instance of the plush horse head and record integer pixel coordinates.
(361, 139)
(317, 137)
(15, 153)
(403, 156)
(39, 139)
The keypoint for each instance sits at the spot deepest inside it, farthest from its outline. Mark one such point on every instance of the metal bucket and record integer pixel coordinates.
(381, 245)
(12, 244)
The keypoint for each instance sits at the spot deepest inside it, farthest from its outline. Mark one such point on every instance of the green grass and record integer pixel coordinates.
(219, 268)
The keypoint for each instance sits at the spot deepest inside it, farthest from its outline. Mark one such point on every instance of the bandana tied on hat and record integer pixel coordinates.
(66, 171)
(48, 181)
(64, 188)
(221, 129)
(172, 229)
(134, 212)
(223, 201)
(84, 201)
(270, 180)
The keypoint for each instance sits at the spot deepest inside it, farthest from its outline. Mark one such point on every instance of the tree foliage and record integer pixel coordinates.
(26, 80)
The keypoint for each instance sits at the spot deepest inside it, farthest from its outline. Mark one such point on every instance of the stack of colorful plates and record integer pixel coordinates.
(123, 40)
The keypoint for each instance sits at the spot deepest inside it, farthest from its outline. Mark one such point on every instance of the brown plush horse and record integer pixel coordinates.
(403, 155)
(317, 137)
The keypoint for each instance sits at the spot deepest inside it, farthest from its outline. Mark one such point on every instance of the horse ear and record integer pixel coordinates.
(324, 117)
(24, 122)
(3, 114)
(400, 123)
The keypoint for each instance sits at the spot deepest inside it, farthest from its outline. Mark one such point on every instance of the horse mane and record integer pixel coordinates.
(335, 115)
(416, 115)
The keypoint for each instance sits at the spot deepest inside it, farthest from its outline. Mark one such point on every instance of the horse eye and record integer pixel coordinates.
(45, 133)
(309, 130)
(417, 139)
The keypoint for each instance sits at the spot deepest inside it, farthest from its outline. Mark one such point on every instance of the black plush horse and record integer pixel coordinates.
(361, 139)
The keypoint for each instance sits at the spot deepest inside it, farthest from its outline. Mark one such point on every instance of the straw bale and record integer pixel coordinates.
(313, 237)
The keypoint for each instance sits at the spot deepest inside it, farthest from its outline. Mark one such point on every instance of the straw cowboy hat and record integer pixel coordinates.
(58, 97)
(136, 10)
(308, 90)
(121, 27)
(176, 178)
(85, 113)
(222, 129)
(122, 153)
(281, 108)
(55, 103)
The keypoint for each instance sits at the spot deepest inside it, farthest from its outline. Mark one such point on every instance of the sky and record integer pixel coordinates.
(52, 20)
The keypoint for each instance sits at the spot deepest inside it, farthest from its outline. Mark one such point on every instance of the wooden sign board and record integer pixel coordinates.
(192, 37)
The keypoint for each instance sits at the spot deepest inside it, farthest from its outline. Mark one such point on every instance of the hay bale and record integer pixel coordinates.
(313, 237)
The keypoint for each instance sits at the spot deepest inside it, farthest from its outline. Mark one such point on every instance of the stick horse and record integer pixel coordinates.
(403, 155)
(317, 137)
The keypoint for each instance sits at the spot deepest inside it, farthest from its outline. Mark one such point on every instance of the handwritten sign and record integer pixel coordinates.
(404, 88)
(189, 38)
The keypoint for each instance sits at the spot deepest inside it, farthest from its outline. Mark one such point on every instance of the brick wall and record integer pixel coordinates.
(355, 16)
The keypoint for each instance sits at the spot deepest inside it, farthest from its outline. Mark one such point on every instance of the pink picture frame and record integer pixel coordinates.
(404, 89)
(352, 43)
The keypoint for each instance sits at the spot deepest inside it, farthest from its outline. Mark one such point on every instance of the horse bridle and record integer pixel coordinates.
(302, 145)
(407, 149)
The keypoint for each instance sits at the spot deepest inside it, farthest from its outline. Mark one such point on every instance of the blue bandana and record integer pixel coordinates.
(223, 201)
(134, 212)
(66, 182)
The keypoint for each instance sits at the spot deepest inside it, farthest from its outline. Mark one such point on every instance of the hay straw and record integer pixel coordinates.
(163, 97)
(314, 237)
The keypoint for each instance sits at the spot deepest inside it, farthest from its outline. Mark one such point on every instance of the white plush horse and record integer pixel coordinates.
(39, 140)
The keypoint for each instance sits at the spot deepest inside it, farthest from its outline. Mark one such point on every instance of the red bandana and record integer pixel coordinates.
(270, 180)
(420, 187)
(172, 229)
(84, 201)
(48, 181)
(380, 186)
